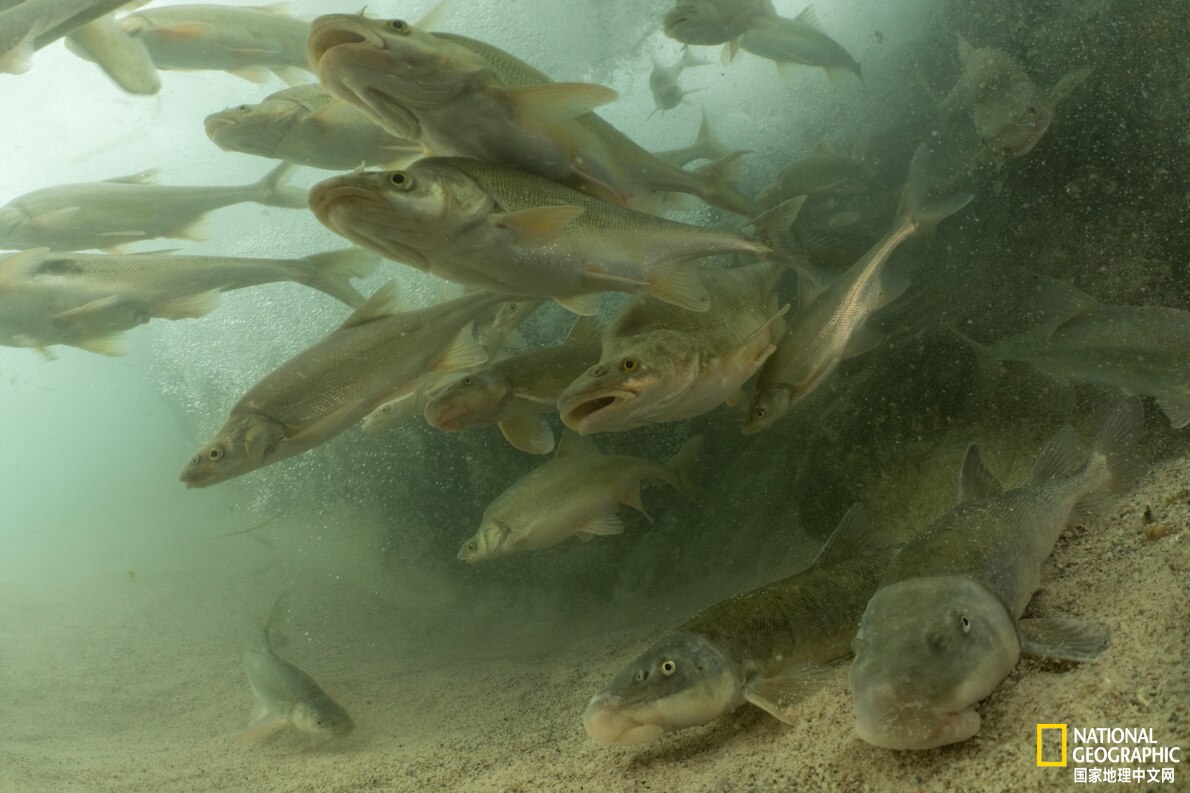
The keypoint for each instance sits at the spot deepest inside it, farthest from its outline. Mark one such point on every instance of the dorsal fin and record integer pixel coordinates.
(854, 536)
(1059, 458)
(384, 303)
(808, 18)
(143, 177)
(573, 444)
(976, 482)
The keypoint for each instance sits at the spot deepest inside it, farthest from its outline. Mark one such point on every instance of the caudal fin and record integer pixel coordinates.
(1112, 461)
(332, 273)
(273, 192)
(916, 209)
(719, 188)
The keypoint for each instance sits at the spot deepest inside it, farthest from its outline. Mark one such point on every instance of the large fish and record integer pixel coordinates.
(714, 21)
(124, 58)
(461, 97)
(375, 356)
(21, 24)
(108, 214)
(285, 695)
(517, 393)
(771, 646)
(798, 41)
(505, 230)
(831, 325)
(945, 626)
(575, 494)
(1011, 114)
(307, 125)
(660, 363)
(87, 299)
(248, 42)
(1136, 349)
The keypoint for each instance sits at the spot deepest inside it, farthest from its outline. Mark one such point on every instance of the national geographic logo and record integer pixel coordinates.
(1108, 754)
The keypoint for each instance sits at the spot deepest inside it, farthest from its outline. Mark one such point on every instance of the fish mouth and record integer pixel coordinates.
(337, 30)
(447, 419)
(581, 415)
(607, 725)
(216, 124)
(887, 718)
(325, 198)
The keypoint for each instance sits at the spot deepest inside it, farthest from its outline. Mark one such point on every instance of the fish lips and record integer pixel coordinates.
(607, 723)
(447, 417)
(595, 410)
(891, 718)
(330, 196)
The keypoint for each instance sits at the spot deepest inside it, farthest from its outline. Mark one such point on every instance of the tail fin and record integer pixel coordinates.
(274, 192)
(689, 60)
(707, 143)
(681, 463)
(718, 185)
(332, 273)
(1112, 459)
(915, 209)
(775, 229)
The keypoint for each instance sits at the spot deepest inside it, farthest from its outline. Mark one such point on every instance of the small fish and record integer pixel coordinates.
(821, 171)
(517, 392)
(22, 24)
(407, 406)
(307, 125)
(375, 356)
(575, 494)
(772, 646)
(108, 214)
(461, 97)
(945, 626)
(798, 41)
(660, 363)
(87, 299)
(711, 22)
(286, 695)
(1136, 349)
(505, 230)
(500, 331)
(830, 324)
(1011, 114)
(663, 81)
(706, 146)
(122, 57)
(247, 42)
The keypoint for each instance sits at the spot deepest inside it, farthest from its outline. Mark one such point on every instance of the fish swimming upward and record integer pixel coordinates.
(124, 58)
(663, 81)
(945, 626)
(286, 695)
(770, 647)
(798, 42)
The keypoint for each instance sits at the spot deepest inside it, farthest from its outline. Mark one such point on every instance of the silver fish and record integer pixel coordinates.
(87, 300)
(663, 81)
(307, 125)
(660, 363)
(1136, 349)
(1011, 114)
(286, 695)
(945, 626)
(247, 42)
(772, 646)
(498, 228)
(122, 57)
(461, 97)
(798, 42)
(575, 494)
(376, 355)
(109, 214)
(831, 325)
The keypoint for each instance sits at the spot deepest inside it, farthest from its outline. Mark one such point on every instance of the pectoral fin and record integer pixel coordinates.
(463, 352)
(600, 526)
(261, 727)
(1063, 638)
(324, 427)
(108, 344)
(188, 306)
(86, 311)
(776, 695)
(540, 223)
(865, 339)
(550, 104)
(632, 499)
(531, 434)
(583, 305)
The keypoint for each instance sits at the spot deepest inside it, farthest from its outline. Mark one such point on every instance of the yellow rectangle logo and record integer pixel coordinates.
(1041, 762)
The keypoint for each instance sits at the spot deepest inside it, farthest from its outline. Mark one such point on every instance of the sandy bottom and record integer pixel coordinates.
(136, 686)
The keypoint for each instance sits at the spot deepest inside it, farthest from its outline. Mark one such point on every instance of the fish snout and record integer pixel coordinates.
(894, 716)
(334, 30)
(607, 724)
(590, 412)
(446, 417)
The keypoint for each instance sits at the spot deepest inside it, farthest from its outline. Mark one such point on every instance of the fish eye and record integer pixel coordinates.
(401, 179)
(243, 108)
(215, 454)
(759, 412)
(472, 546)
(668, 667)
(398, 25)
(467, 381)
(628, 364)
(1032, 111)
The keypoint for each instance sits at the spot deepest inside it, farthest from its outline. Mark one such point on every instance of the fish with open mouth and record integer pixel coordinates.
(660, 363)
